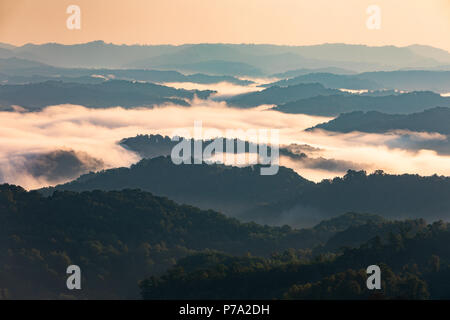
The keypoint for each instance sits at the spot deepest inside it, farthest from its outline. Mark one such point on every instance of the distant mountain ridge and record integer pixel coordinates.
(330, 80)
(431, 120)
(333, 105)
(411, 80)
(111, 93)
(264, 57)
(22, 71)
(304, 71)
(403, 80)
(280, 95)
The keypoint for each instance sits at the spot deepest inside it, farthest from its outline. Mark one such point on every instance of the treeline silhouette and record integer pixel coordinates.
(286, 196)
(430, 120)
(121, 237)
(35, 96)
(413, 266)
(334, 105)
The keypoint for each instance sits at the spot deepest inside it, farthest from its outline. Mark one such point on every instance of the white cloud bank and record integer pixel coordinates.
(97, 131)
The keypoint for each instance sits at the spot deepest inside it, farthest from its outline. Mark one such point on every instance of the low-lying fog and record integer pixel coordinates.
(32, 142)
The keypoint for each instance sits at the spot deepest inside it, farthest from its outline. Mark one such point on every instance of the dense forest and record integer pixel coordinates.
(430, 120)
(334, 105)
(392, 196)
(414, 265)
(330, 80)
(119, 238)
(402, 80)
(154, 145)
(22, 71)
(283, 198)
(35, 96)
(233, 190)
(280, 95)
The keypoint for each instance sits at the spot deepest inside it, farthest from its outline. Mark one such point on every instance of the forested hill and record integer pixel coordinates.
(279, 95)
(117, 238)
(120, 237)
(413, 266)
(111, 93)
(21, 71)
(406, 195)
(392, 196)
(333, 105)
(282, 198)
(404, 80)
(233, 190)
(431, 120)
(329, 80)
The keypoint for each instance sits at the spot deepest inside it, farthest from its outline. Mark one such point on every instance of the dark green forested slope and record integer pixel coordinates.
(111, 93)
(333, 105)
(431, 120)
(279, 95)
(121, 237)
(392, 196)
(329, 80)
(285, 197)
(437, 81)
(405, 80)
(230, 189)
(21, 71)
(116, 237)
(151, 146)
(414, 266)
(406, 195)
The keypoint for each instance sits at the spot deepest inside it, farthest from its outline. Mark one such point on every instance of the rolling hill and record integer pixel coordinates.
(106, 94)
(280, 95)
(121, 237)
(333, 105)
(330, 80)
(22, 71)
(269, 58)
(232, 190)
(430, 120)
(284, 198)
(413, 262)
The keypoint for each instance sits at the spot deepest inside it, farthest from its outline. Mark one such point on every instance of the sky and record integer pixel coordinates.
(290, 22)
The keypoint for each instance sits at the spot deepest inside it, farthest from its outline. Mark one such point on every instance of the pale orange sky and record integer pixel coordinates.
(292, 22)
